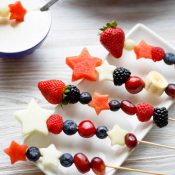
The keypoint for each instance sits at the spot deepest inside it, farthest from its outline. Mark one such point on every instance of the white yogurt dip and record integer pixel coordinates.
(17, 37)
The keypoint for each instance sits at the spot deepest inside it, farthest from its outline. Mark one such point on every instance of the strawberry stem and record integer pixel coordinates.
(112, 24)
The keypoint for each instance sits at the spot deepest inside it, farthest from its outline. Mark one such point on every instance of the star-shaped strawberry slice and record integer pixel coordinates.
(17, 11)
(83, 66)
(16, 152)
(99, 102)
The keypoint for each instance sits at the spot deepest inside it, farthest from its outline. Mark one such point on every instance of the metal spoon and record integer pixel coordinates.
(48, 5)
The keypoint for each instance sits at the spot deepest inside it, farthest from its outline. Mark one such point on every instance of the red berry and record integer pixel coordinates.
(82, 163)
(170, 90)
(98, 166)
(144, 112)
(52, 90)
(55, 124)
(131, 140)
(86, 129)
(157, 54)
(128, 107)
(112, 38)
(134, 84)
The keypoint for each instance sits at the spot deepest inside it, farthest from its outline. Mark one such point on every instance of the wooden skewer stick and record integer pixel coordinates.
(48, 5)
(171, 119)
(156, 144)
(134, 170)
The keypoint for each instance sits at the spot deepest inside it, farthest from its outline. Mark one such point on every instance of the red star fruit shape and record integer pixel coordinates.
(83, 66)
(99, 102)
(143, 50)
(16, 152)
(17, 11)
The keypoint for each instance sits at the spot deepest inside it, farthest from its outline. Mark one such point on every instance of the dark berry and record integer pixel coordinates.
(33, 154)
(128, 107)
(120, 76)
(98, 166)
(86, 129)
(169, 58)
(66, 160)
(170, 90)
(70, 127)
(114, 105)
(160, 117)
(85, 98)
(71, 95)
(82, 163)
(101, 132)
(131, 140)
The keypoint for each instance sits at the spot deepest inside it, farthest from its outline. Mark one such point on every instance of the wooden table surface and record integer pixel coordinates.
(76, 23)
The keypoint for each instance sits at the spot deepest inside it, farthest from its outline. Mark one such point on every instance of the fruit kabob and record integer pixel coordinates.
(91, 68)
(46, 121)
(56, 92)
(113, 39)
(49, 160)
(14, 11)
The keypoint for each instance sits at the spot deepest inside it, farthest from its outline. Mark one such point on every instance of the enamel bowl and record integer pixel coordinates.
(22, 39)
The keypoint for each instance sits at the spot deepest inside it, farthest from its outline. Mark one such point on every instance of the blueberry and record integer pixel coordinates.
(33, 154)
(66, 160)
(114, 105)
(70, 127)
(101, 132)
(169, 58)
(85, 98)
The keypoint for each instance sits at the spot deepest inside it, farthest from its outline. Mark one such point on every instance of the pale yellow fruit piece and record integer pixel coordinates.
(129, 44)
(117, 135)
(155, 83)
(4, 11)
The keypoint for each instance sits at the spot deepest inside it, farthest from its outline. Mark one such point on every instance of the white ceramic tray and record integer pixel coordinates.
(96, 147)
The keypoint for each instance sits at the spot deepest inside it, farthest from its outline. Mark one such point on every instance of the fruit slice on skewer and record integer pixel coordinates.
(49, 160)
(83, 66)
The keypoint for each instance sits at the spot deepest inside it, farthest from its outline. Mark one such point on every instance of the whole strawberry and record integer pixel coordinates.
(113, 38)
(144, 112)
(55, 124)
(52, 90)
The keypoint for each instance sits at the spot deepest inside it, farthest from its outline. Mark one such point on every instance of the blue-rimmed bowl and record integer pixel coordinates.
(22, 39)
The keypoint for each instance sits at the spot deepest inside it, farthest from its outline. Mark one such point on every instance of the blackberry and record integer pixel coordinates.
(120, 76)
(160, 117)
(71, 95)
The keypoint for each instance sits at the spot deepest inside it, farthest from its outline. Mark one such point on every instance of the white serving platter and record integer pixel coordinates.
(93, 146)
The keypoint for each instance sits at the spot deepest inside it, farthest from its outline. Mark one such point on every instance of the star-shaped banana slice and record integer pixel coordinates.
(117, 135)
(49, 160)
(33, 119)
(105, 71)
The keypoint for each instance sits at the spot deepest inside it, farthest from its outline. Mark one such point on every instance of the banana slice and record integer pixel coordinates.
(129, 44)
(4, 11)
(155, 83)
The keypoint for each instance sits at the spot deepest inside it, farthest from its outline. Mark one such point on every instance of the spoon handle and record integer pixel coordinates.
(48, 5)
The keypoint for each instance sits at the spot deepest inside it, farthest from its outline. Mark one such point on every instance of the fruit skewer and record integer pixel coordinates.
(113, 39)
(49, 160)
(91, 68)
(15, 12)
(87, 129)
(46, 121)
(56, 92)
